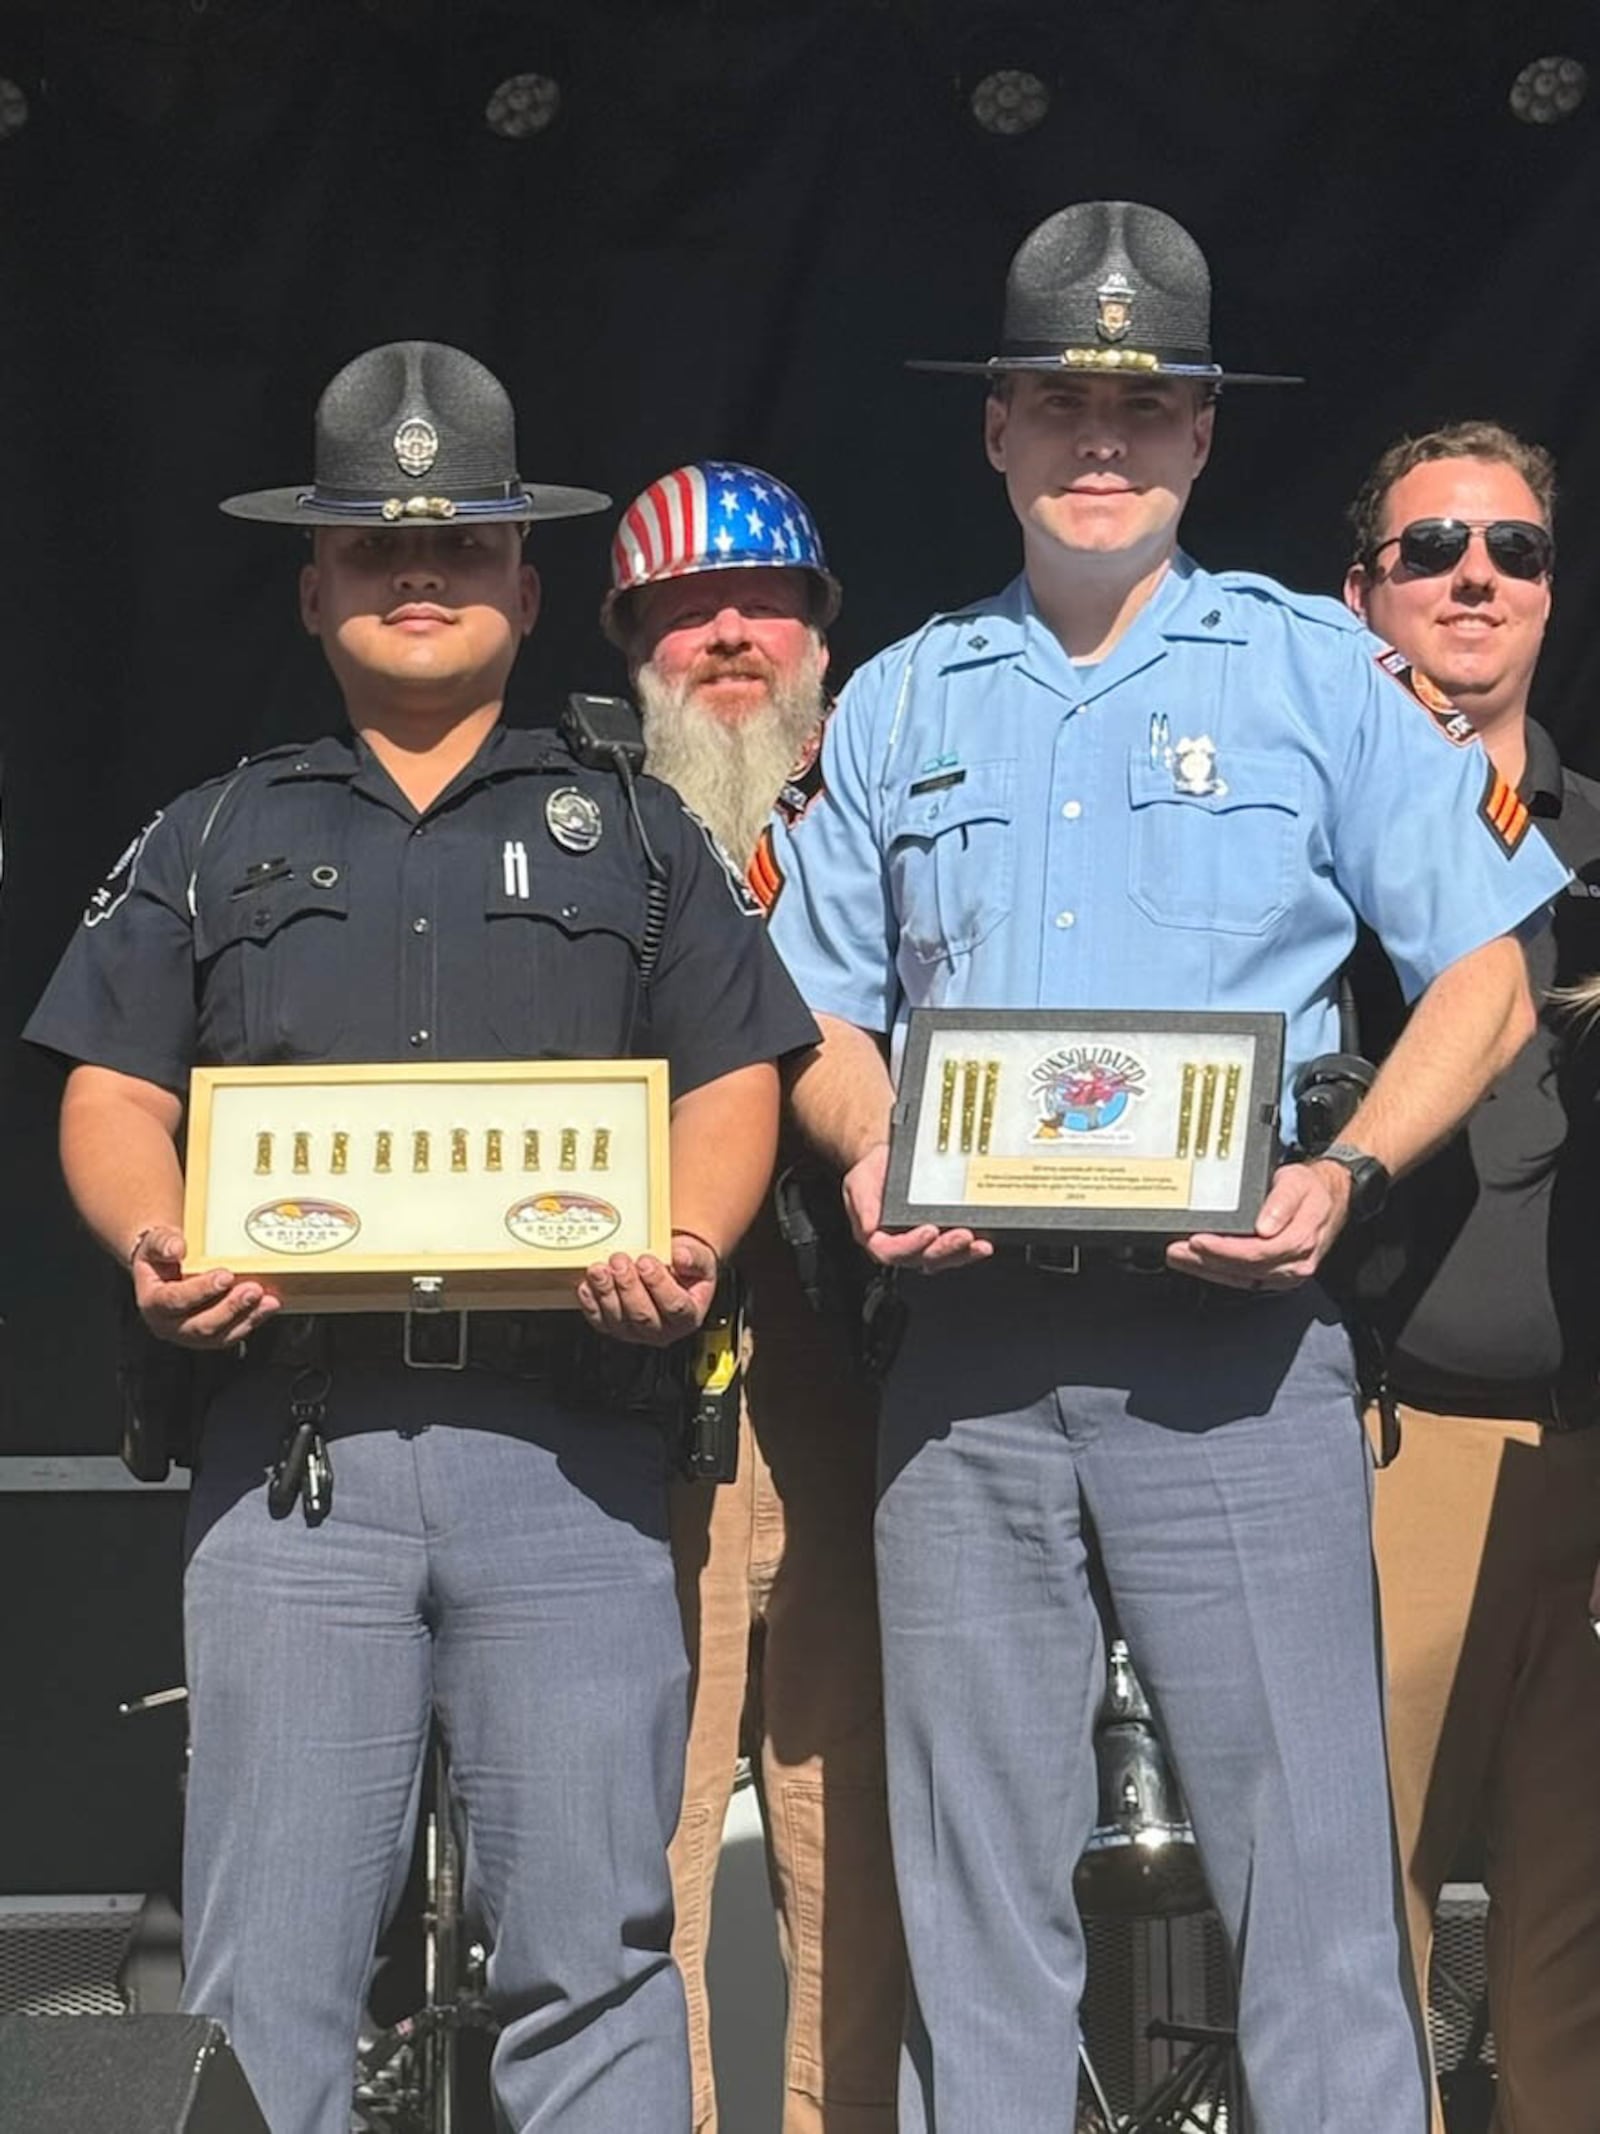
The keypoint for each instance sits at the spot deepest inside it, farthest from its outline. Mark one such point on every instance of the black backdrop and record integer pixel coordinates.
(743, 218)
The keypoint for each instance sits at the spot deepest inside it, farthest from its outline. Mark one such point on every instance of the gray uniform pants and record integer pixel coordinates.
(1213, 1440)
(505, 1561)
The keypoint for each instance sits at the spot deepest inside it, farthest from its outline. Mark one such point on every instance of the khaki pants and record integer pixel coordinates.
(779, 1602)
(1487, 1537)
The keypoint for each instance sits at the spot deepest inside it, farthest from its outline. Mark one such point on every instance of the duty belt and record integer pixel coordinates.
(1558, 1405)
(1050, 1256)
(516, 1344)
(1140, 1272)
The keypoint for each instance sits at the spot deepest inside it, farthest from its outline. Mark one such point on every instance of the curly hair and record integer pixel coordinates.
(1460, 440)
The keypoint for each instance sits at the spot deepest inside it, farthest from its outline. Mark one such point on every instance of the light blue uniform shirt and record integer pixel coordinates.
(1002, 828)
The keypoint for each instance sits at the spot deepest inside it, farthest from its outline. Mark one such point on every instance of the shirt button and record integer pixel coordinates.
(419, 926)
(419, 829)
(419, 1037)
(569, 911)
(1072, 809)
(1066, 918)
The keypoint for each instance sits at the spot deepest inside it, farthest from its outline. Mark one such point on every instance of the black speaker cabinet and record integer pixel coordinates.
(133, 2074)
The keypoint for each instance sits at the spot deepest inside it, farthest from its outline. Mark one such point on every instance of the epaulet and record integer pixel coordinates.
(276, 754)
(536, 748)
(1310, 607)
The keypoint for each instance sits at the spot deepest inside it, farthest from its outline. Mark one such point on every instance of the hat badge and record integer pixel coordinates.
(416, 445)
(1113, 307)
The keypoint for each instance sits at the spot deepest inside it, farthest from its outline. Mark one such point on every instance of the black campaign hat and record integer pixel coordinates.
(1109, 287)
(414, 432)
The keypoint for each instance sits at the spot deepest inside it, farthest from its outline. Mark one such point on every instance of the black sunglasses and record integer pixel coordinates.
(1430, 547)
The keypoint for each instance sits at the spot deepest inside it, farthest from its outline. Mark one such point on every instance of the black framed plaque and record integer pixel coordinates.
(1106, 1124)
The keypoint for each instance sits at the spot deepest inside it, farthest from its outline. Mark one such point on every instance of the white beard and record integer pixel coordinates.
(730, 771)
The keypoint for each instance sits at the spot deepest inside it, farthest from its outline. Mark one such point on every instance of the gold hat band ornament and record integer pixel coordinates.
(1109, 359)
(418, 507)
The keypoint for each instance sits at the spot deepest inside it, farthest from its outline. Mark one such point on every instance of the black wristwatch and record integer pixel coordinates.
(1369, 1179)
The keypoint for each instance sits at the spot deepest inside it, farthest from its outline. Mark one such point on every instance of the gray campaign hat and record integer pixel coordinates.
(1108, 287)
(413, 432)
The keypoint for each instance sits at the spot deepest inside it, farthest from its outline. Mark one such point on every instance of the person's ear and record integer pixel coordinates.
(531, 594)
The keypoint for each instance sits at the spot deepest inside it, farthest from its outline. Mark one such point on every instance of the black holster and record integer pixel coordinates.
(1328, 1091)
(834, 1272)
(163, 1393)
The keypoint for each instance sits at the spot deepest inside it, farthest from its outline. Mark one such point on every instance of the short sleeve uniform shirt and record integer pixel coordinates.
(301, 910)
(1198, 821)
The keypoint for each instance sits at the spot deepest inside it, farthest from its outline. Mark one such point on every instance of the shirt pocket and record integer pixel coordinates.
(1224, 862)
(275, 976)
(563, 961)
(952, 860)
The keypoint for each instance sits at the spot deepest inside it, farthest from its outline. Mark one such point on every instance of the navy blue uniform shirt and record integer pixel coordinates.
(301, 910)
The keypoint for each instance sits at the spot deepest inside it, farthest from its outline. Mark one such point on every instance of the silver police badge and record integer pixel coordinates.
(573, 819)
(1113, 307)
(416, 445)
(1194, 767)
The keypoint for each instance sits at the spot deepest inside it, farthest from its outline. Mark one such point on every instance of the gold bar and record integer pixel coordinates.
(947, 1103)
(493, 1149)
(991, 1089)
(1208, 1104)
(458, 1148)
(302, 1152)
(263, 1153)
(383, 1150)
(602, 1149)
(569, 1148)
(530, 1148)
(969, 1106)
(341, 1151)
(421, 1148)
(1230, 1106)
(1186, 1108)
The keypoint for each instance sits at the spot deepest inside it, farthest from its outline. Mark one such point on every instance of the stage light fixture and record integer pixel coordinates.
(1548, 90)
(13, 108)
(523, 104)
(1010, 100)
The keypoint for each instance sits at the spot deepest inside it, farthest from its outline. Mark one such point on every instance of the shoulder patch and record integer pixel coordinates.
(1504, 813)
(765, 874)
(738, 888)
(1453, 724)
(114, 889)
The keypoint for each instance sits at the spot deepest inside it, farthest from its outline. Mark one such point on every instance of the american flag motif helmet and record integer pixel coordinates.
(715, 515)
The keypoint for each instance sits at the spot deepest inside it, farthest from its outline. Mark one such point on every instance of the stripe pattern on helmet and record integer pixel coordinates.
(713, 515)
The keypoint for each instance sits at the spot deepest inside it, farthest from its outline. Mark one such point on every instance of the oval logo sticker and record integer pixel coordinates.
(300, 1227)
(562, 1222)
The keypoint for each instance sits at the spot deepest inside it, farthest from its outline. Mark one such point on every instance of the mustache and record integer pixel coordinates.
(742, 666)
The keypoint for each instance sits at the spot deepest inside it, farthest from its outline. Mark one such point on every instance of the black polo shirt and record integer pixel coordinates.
(301, 910)
(1486, 1255)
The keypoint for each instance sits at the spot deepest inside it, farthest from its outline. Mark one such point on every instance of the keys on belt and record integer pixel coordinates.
(304, 1468)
